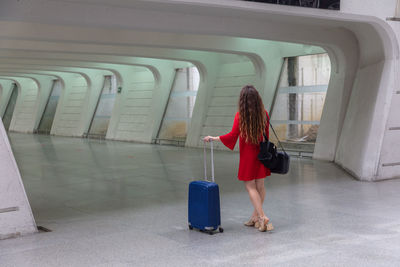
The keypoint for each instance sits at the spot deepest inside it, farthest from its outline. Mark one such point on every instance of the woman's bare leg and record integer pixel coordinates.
(261, 191)
(255, 197)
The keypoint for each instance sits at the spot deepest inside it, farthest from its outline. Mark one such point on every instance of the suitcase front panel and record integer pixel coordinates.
(204, 206)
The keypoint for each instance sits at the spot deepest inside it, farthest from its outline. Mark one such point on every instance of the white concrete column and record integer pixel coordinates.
(364, 125)
(15, 212)
(24, 114)
(389, 164)
(209, 70)
(6, 86)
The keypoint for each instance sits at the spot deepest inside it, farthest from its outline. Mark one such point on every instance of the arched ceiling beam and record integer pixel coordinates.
(176, 25)
(104, 36)
(18, 79)
(114, 68)
(197, 58)
(50, 70)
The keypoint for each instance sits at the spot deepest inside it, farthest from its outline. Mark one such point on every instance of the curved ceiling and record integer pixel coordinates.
(127, 32)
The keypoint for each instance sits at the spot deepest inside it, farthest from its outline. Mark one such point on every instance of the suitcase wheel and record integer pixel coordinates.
(221, 230)
(190, 227)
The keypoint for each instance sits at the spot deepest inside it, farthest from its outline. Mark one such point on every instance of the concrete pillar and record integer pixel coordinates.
(6, 90)
(15, 212)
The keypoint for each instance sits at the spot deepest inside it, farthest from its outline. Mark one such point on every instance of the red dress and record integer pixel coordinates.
(250, 167)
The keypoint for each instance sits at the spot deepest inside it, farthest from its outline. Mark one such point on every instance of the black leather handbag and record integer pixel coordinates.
(276, 161)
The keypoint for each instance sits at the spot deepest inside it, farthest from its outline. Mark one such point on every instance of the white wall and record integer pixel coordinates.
(133, 108)
(381, 9)
(67, 119)
(223, 102)
(24, 115)
(389, 166)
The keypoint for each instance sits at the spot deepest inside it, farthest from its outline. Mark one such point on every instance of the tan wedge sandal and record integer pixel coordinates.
(265, 225)
(252, 222)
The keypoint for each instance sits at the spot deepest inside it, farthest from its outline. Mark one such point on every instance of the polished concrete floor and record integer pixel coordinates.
(124, 204)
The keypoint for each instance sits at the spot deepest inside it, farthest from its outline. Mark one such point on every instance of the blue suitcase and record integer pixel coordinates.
(203, 206)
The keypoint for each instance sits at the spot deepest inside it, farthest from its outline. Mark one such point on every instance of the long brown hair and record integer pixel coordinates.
(252, 114)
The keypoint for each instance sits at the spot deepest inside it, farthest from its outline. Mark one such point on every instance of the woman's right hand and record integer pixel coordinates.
(208, 139)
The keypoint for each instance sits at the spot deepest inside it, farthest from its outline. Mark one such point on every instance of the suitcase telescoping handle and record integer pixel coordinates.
(212, 162)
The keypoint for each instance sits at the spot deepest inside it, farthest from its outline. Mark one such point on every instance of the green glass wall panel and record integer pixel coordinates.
(8, 114)
(178, 113)
(48, 115)
(101, 119)
(300, 98)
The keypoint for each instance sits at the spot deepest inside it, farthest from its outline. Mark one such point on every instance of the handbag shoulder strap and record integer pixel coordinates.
(280, 144)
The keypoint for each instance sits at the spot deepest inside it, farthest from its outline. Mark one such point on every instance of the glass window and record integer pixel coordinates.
(99, 125)
(48, 115)
(300, 98)
(178, 113)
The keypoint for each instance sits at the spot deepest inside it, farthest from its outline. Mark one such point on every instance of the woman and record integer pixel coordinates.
(249, 124)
